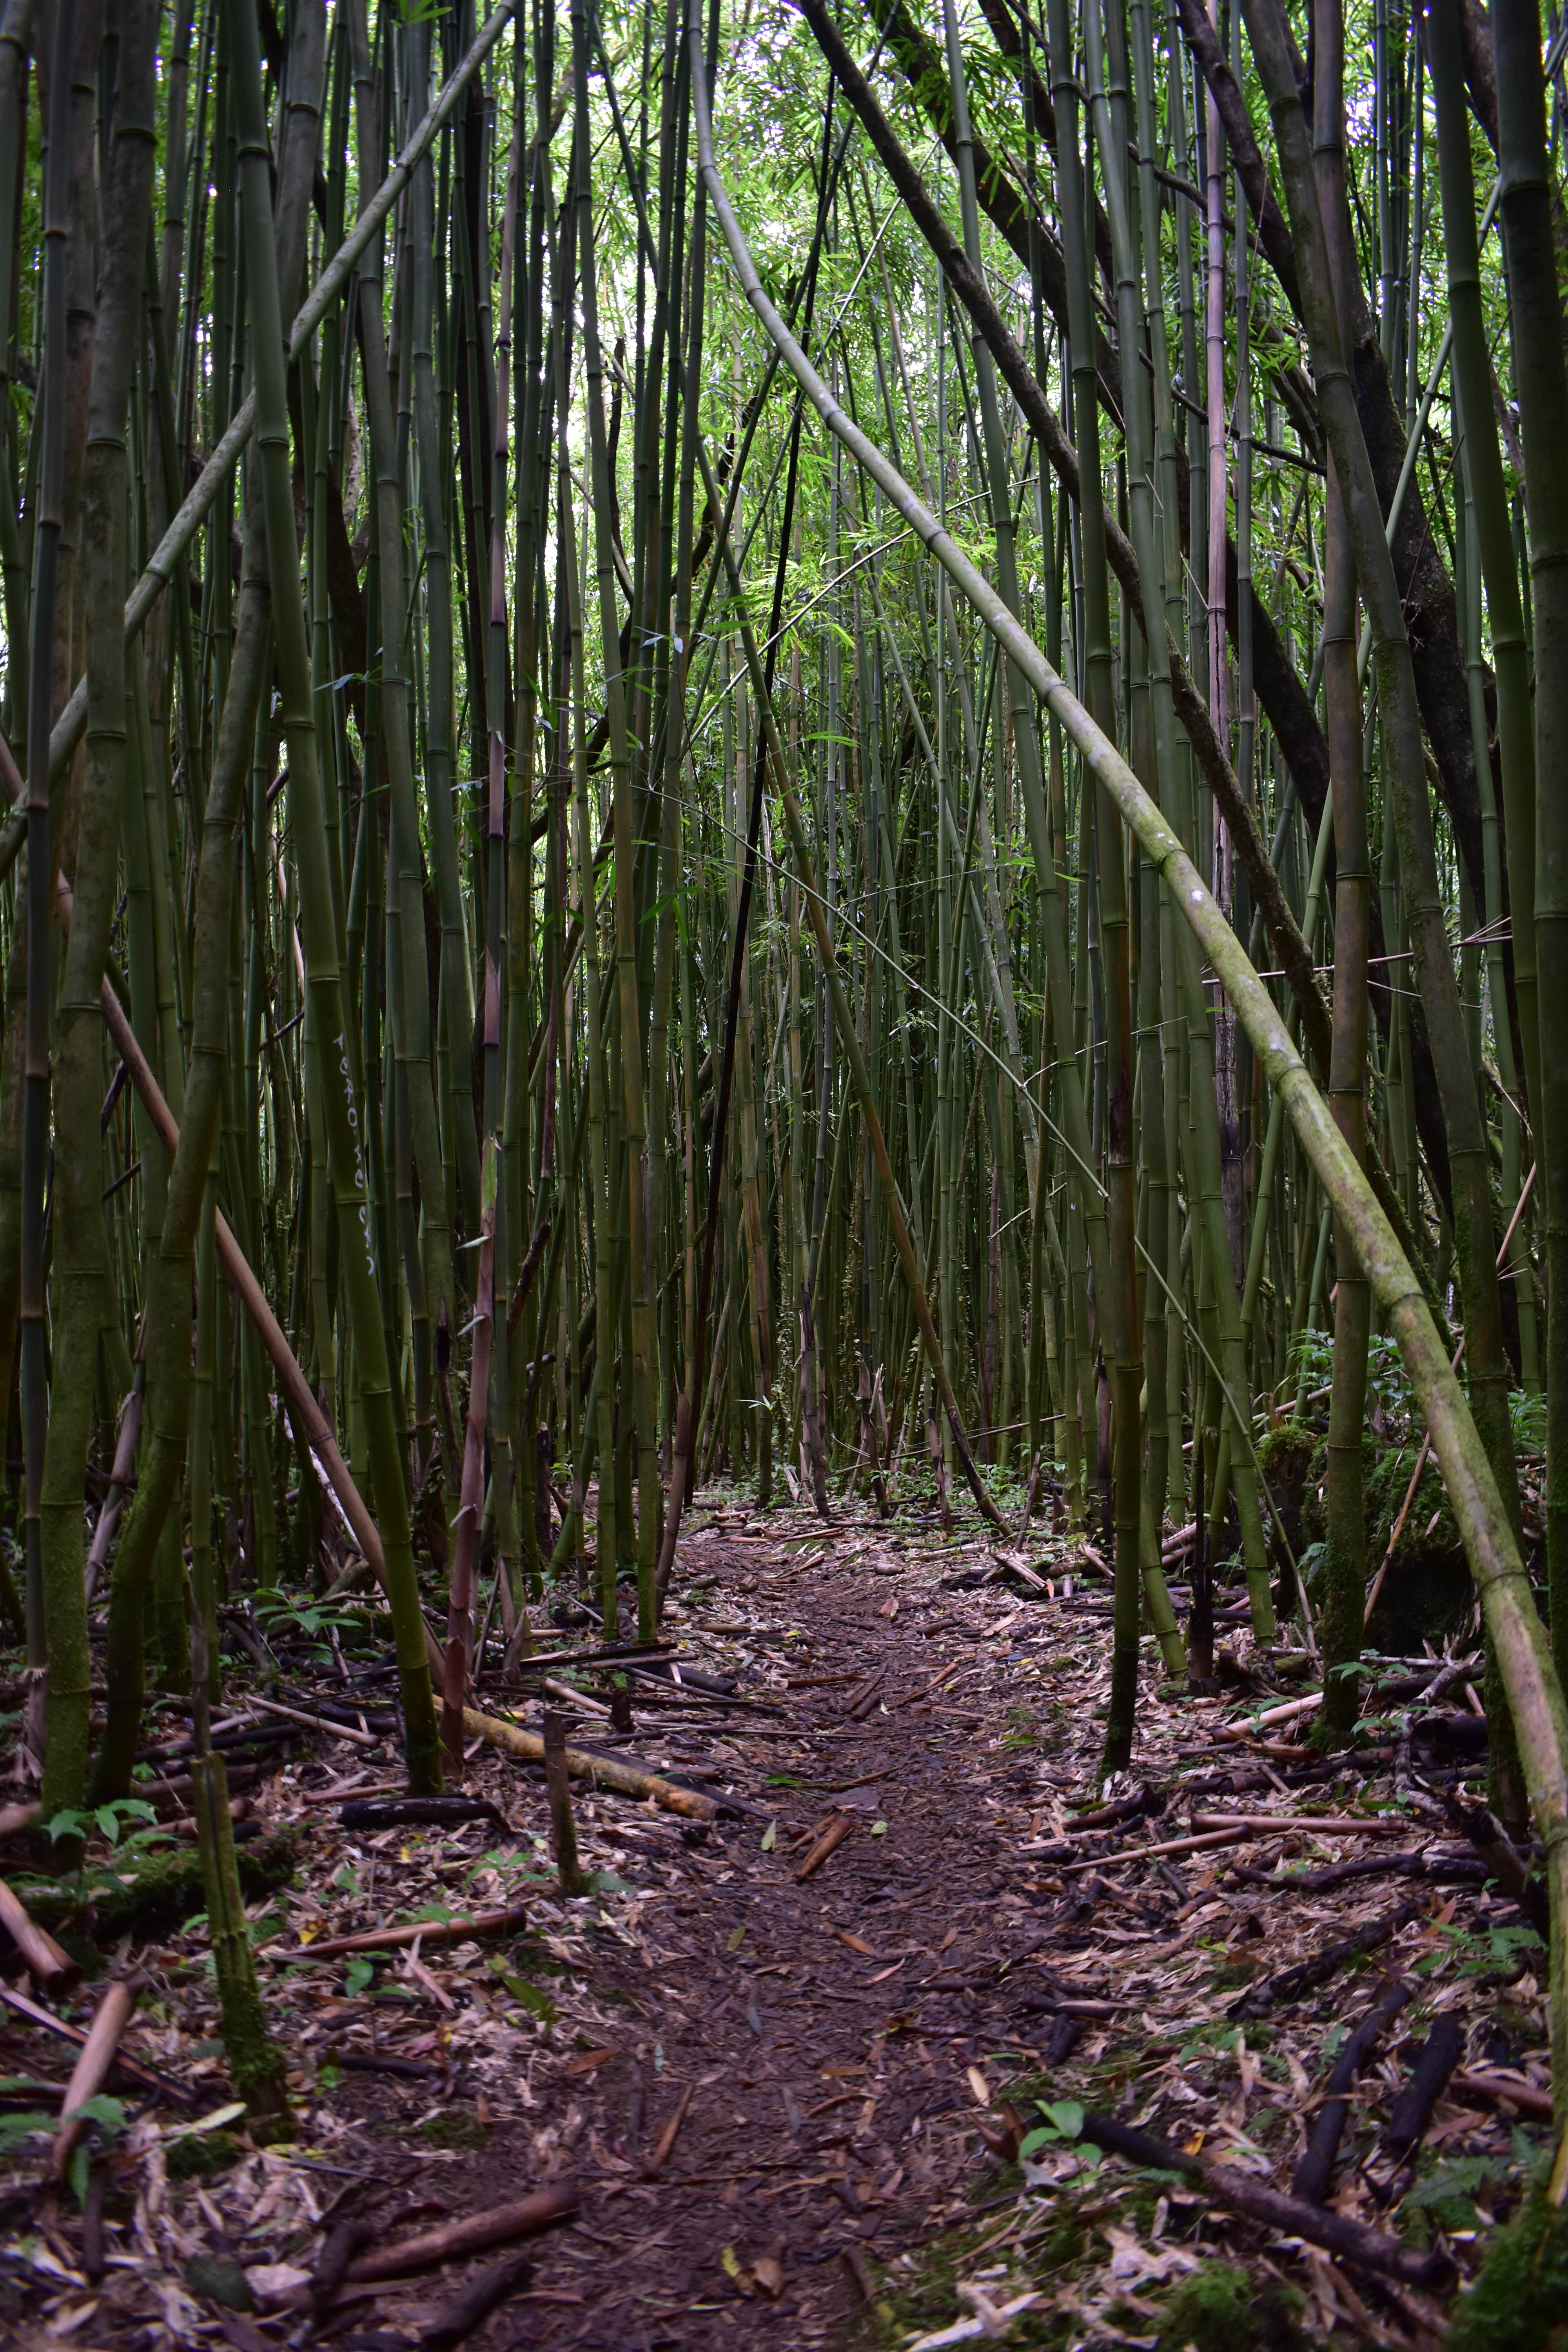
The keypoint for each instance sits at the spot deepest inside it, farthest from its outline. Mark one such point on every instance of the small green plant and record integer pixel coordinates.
(110, 1820)
(1519, 2300)
(1062, 2121)
(1218, 2309)
(1447, 2195)
(1493, 1952)
(538, 2004)
(281, 1614)
(107, 2115)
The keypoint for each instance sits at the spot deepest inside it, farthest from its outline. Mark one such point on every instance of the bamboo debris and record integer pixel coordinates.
(601, 1771)
(91, 2071)
(52, 1969)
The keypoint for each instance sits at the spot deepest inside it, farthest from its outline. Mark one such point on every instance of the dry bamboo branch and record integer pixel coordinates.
(51, 1968)
(91, 2071)
(497, 2226)
(603, 1771)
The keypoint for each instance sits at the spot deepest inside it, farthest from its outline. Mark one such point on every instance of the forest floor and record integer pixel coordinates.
(791, 2107)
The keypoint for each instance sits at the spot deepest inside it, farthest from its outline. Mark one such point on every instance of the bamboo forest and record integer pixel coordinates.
(783, 1184)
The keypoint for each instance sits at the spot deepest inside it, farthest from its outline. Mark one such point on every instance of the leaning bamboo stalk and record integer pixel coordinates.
(1534, 1692)
(163, 564)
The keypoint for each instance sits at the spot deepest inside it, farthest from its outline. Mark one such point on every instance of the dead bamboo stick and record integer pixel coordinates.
(49, 1965)
(604, 1772)
(92, 2070)
(497, 2226)
(415, 1931)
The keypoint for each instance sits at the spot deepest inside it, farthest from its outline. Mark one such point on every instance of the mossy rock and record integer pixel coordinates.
(1428, 1593)
(1219, 2309)
(1520, 2300)
(163, 1890)
(1285, 1457)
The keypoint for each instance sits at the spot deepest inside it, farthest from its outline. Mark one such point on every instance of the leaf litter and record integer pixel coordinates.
(755, 2102)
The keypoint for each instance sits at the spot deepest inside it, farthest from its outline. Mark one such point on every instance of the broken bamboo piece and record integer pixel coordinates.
(1410, 2113)
(611, 1773)
(91, 2071)
(1316, 2169)
(498, 2225)
(668, 2135)
(558, 1789)
(828, 1843)
(49, 1967)
(416, 1931)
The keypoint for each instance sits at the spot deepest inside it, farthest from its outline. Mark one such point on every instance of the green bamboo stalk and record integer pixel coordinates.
(1344, 1514)
(318, 921)
(81, 1268)
(51, 509)
(1542, 383)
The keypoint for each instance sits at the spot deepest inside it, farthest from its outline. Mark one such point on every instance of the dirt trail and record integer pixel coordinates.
(774, 2096)
(825, 2027)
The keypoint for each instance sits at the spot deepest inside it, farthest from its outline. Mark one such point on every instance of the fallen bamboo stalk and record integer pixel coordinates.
(49, 1965)
(1493, 2090)
(149, 2076)
(1313, 2174)
(1412, 2110)
(604, 1772)
(459, 2320)
(473, 2234)
(91, 2071)
(1318, 1824)
(15, 1819)
(340, 1790)
(1200, 1844)
(1352, 2241)
(1286, 1713)
(317, 1722)
(415, 1931)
